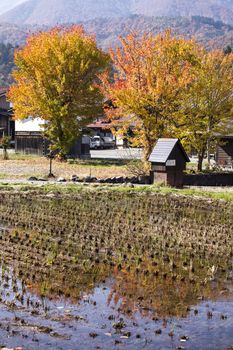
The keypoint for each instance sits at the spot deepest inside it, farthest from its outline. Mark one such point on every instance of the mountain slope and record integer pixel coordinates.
(6, 5)
(217, 9)
(52, 12)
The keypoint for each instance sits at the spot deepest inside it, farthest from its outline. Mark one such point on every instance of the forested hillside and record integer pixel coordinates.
(205, 30)
(6, 63)
(108, 30)
(210, 33)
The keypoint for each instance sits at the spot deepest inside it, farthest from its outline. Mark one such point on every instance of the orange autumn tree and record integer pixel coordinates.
(57, 81)
(151, 74)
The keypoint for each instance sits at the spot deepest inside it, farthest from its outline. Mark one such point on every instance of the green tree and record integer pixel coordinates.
(206, 108)
(5, 143)
(57, 81)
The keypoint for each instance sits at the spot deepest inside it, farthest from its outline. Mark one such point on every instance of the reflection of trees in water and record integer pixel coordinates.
(155, 289)
(163, 293)
(165, 253)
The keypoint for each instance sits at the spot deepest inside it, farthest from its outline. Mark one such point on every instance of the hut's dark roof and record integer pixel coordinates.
(164, 148)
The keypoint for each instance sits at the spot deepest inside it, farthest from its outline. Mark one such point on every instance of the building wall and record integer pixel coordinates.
(159, 178)
(172, 177)
(4, 104)
(179, 157)
(31, 143)
(35, 143)
(4, 125)
(7, 127)
(212, 179)
(224, 153)
(81, 148)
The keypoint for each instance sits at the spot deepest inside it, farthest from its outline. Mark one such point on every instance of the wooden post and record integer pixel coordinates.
(50, 165)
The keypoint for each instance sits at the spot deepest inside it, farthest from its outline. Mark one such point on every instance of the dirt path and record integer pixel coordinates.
(39, 167)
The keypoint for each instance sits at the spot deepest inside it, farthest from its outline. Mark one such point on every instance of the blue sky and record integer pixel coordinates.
(6, 5)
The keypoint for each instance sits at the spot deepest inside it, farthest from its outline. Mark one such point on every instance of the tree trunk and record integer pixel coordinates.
(200, 161)
(5, 154)
(146, 153)
(208, 152)
(148, 148)
(60, 145)
(208, 143)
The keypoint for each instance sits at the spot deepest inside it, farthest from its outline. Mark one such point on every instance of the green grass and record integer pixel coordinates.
(3, 176)
(21, 156)
(182, 192)
(99, 163)
(200, 193)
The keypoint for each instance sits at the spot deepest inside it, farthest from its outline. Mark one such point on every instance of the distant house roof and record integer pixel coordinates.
(102, 124)
(164, 148)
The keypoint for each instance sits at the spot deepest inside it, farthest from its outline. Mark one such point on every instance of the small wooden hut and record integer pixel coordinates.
(169, 160)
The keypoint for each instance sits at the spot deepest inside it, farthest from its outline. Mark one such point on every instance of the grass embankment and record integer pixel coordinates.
(68, 188)
(21, 167)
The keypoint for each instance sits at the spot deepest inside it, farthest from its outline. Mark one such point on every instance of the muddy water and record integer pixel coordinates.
(74, 275)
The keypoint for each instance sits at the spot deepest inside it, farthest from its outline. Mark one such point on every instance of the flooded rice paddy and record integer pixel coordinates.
(105, 270)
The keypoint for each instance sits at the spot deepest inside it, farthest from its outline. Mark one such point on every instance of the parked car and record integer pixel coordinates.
(109, 142)
(97, 142)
